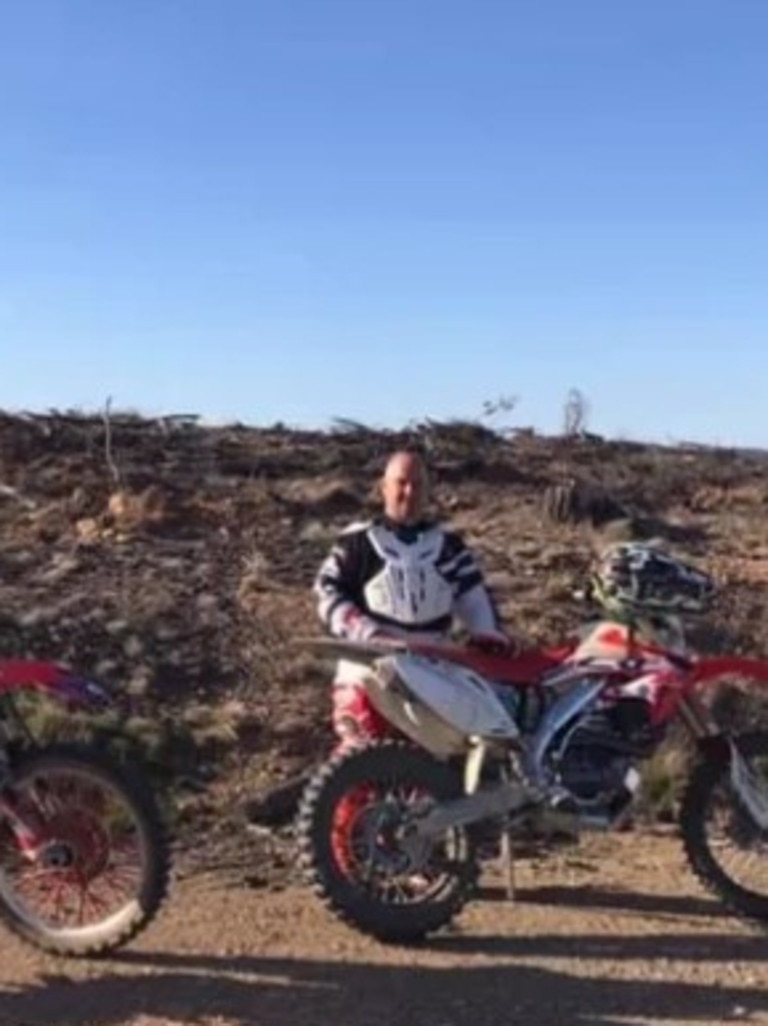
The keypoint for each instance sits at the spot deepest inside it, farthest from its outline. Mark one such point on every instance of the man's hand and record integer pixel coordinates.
(385, 640)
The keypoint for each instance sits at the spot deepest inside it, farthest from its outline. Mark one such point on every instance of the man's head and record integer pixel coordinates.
(404, 487)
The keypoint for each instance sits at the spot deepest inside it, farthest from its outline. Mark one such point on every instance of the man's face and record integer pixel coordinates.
(404, 489)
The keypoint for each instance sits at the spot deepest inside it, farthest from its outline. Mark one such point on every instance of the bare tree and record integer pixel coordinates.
(575, 413)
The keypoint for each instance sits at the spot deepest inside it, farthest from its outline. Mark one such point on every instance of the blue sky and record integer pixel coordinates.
(302, 209)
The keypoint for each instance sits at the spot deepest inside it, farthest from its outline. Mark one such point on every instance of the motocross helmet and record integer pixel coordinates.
(632, 579)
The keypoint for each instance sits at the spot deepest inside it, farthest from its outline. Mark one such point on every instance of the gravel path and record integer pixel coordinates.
(615, 932)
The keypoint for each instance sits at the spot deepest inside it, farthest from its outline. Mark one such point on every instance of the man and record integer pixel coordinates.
(397, 576)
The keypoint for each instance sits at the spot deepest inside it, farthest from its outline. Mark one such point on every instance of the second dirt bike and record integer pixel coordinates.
(84, 853)
(390, 834)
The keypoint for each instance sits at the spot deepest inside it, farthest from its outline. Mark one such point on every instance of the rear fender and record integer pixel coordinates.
(55, 681)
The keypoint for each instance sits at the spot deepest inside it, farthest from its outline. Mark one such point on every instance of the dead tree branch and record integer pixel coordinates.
(111, 463)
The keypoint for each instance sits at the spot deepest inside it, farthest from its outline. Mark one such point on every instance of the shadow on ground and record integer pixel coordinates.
(261, 991)
(584, 896)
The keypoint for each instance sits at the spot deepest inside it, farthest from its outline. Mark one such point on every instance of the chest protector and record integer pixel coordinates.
(408, 588)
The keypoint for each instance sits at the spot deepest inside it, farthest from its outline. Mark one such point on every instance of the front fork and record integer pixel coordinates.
(26, 833)
(26, 829)
(751, 792)
(697, 718)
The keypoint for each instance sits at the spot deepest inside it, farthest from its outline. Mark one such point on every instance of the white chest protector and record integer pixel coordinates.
(408, 589)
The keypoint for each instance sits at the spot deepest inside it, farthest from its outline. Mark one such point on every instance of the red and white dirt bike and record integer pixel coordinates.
(390, 834)
(84, 854)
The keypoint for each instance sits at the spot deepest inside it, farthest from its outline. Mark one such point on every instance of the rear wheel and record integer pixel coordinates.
(349, 829)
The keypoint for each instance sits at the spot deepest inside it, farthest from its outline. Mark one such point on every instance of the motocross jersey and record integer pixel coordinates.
(405, 581)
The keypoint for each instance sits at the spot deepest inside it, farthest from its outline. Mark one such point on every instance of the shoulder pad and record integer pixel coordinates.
(453, 539)
(356, 527)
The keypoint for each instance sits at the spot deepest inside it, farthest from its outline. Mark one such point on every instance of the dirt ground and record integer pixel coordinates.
(613, 932)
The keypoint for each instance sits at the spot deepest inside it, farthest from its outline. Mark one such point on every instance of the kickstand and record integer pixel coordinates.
(508, 863)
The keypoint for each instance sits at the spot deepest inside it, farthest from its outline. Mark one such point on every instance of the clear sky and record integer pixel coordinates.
(388, 209)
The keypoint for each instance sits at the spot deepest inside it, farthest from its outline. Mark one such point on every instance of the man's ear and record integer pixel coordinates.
(375, 495)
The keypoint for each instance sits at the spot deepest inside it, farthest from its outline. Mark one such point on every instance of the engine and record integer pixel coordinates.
(595, 756)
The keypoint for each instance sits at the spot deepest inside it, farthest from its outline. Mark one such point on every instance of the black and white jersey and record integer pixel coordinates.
(404, 580)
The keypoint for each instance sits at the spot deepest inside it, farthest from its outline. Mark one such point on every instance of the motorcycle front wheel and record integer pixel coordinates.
(726, 848)
(350, 818)
(95, 869)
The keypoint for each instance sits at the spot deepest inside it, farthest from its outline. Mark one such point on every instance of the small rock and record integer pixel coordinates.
(24, 558)
(88, 529)
(133, 646)
(62, 566)
(139, 683)
(171, 563)
(166, 632)
(34, 617)
(78, 500)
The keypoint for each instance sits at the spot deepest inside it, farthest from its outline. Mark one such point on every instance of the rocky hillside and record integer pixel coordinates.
(174, 560)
